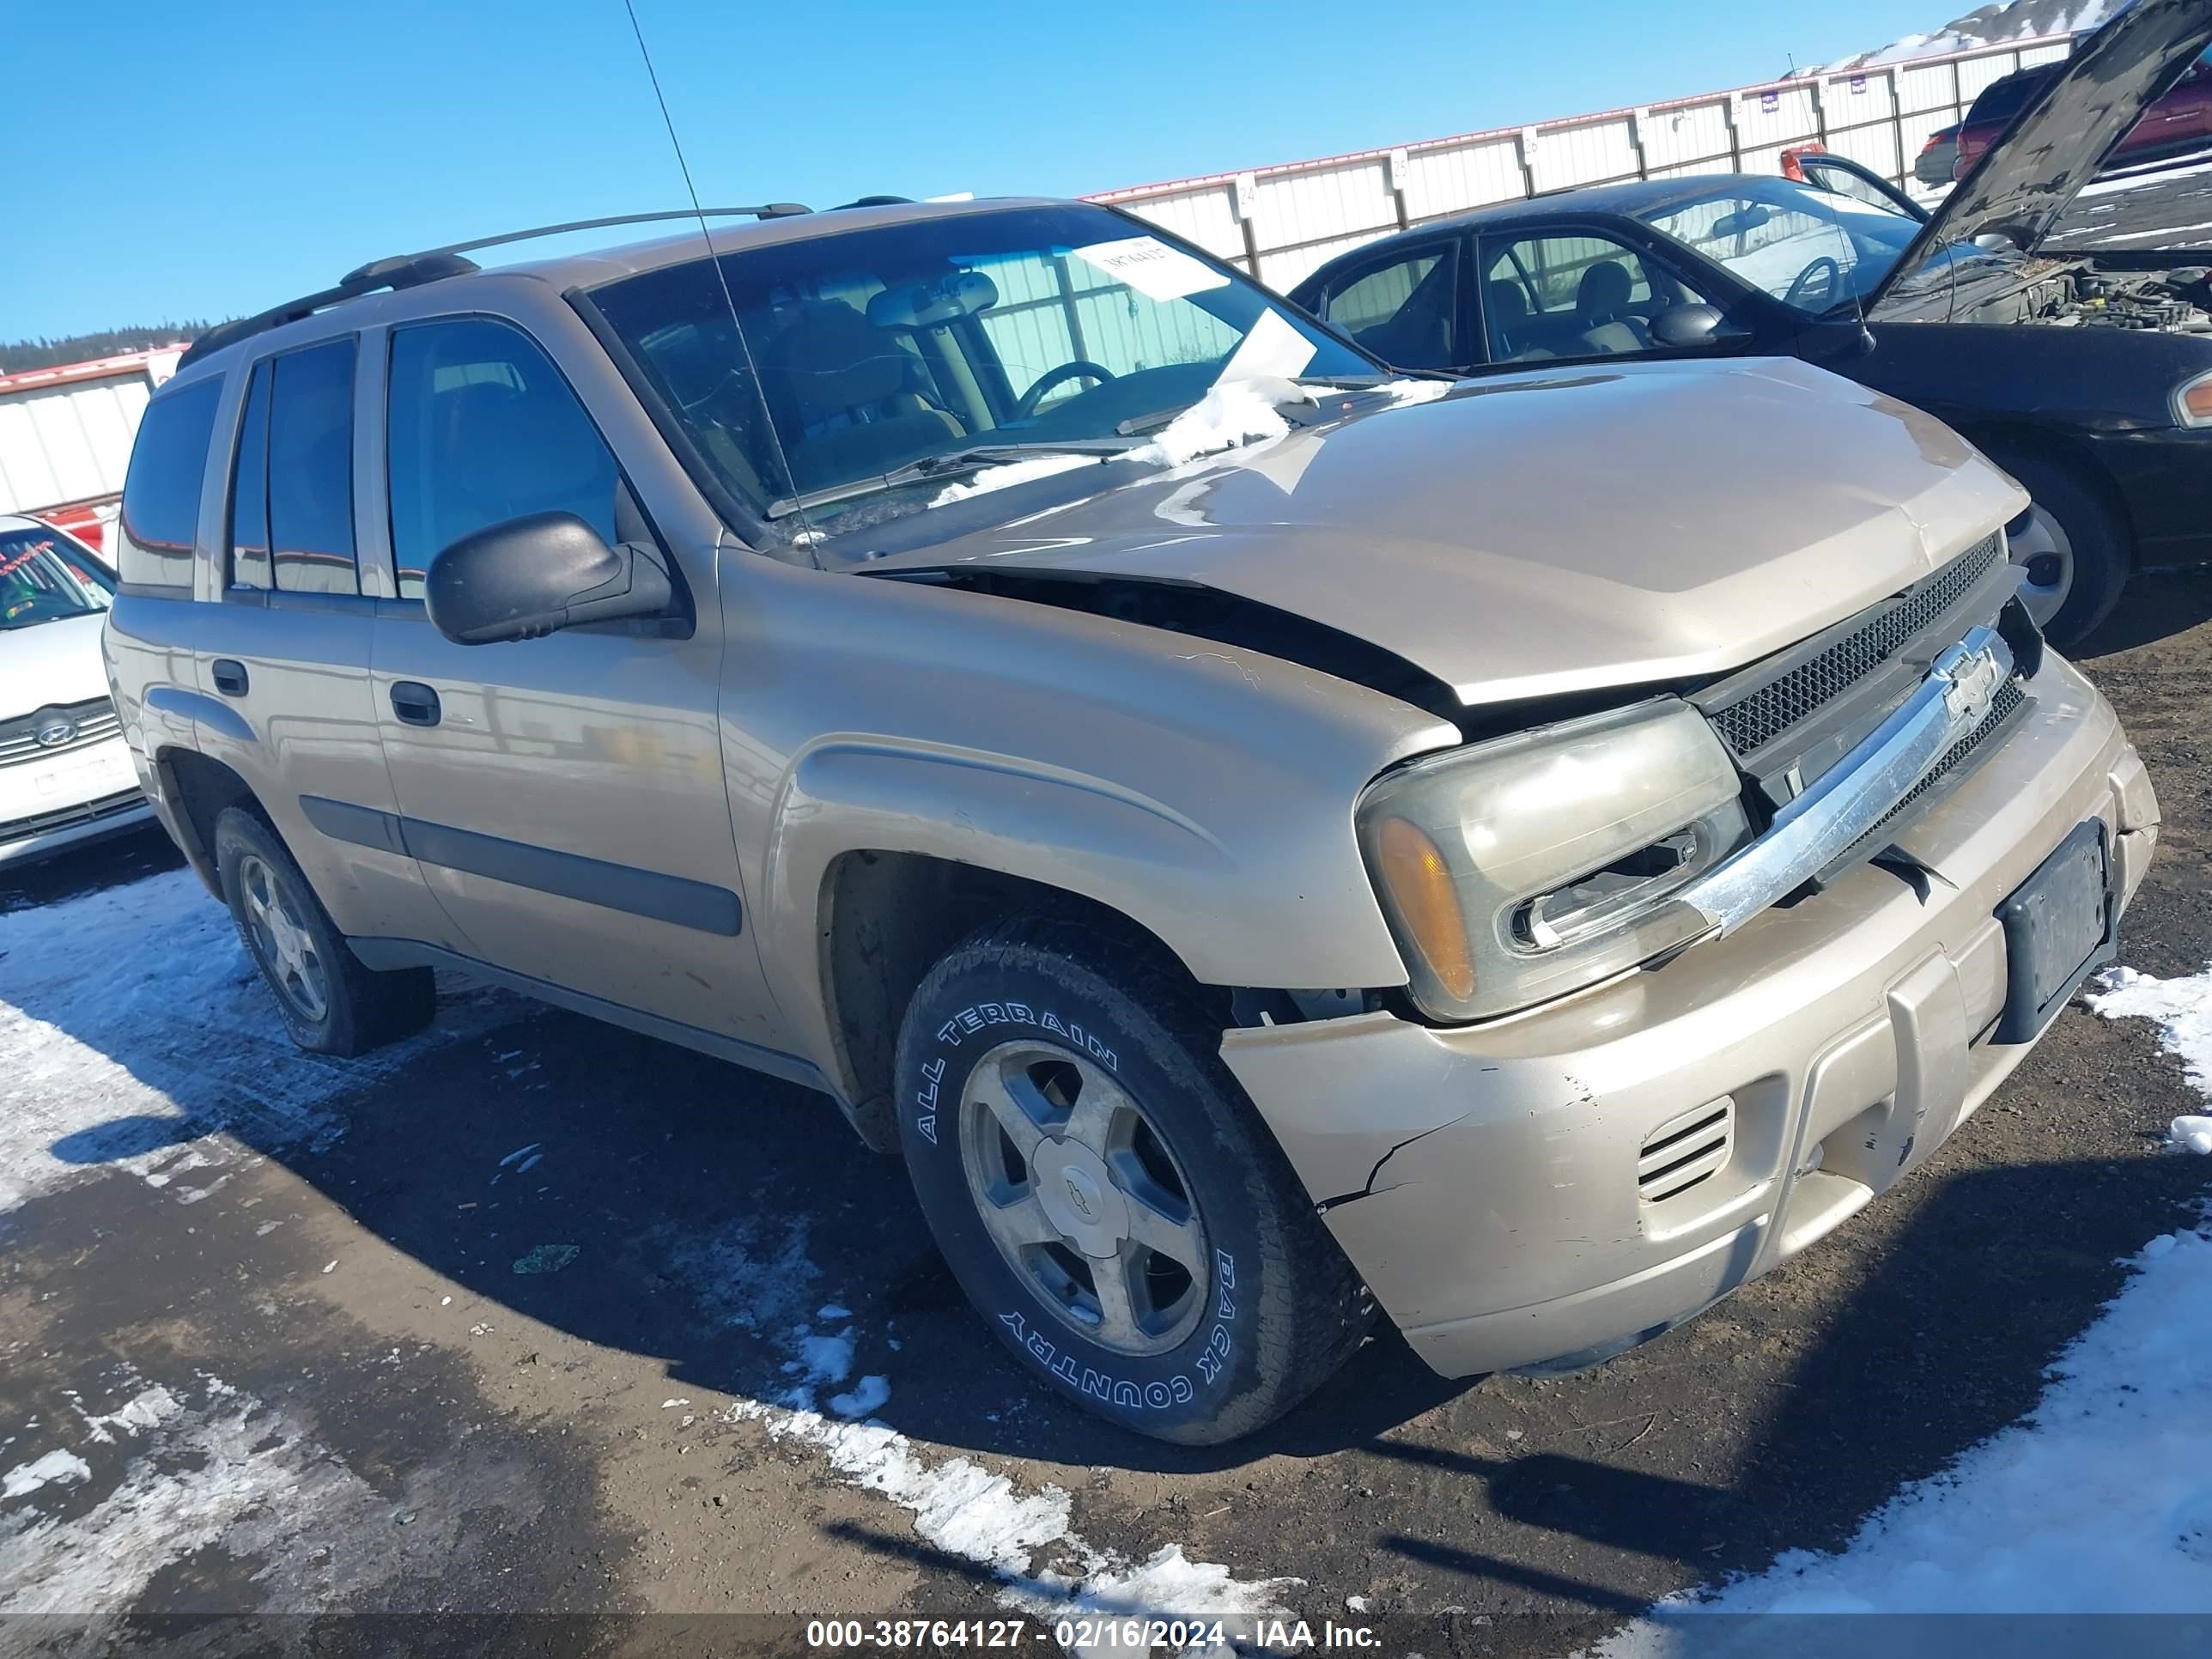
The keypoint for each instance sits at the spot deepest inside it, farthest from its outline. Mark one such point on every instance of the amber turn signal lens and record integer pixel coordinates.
(1428, 903)
(2196, 403)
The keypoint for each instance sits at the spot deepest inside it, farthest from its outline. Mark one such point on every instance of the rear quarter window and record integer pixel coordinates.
(161, 491)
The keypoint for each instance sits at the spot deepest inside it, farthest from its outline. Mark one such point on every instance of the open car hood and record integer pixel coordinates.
(2058, 143)
(1537, 534)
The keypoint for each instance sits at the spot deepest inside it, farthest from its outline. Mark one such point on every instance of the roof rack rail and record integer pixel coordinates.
(410, 269)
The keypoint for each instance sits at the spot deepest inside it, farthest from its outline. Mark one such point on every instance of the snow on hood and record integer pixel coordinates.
(1544, 532)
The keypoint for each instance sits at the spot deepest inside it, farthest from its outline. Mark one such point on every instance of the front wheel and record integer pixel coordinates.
(1105, 1194)
(2074, 547)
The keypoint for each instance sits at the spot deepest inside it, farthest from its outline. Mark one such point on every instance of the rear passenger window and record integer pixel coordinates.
(161, 492)
(311, 470)
(249, 490)
(482, 428)
(1405, 310)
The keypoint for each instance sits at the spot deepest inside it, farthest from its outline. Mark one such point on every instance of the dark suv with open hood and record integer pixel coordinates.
(2060, 320)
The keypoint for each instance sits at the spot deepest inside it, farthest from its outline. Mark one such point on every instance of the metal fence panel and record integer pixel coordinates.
(1279, 223)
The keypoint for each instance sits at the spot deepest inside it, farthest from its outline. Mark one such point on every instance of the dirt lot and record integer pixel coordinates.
(496, 1326)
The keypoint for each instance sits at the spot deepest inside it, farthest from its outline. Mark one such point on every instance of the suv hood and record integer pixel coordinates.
(51, 662)
(2030, 176)
(1540, 533)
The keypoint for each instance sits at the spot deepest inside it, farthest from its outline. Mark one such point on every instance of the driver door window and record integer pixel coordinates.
(483, 428)
(1405, 309)
(1575, 294)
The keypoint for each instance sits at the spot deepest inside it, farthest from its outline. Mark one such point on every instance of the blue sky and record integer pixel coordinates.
(193, 161)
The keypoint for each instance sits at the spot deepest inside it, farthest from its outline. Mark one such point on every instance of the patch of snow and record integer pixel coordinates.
(1233, 412)
(741, 1279)
(822, 1359)
(869, 1395)
(2192, 1135)
(2008, 20)
(2096, 1501)
(1014, 472)
(136, 1027)
(149, 1409)
(61, 1468)
(2182, 1007)
(1167, 1585)
(1402, 392)
(755, 1276)
(227, 1473)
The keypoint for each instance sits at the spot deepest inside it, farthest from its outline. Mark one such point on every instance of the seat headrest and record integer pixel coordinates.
(830, 359)
(1506, 303)
(1605, 290)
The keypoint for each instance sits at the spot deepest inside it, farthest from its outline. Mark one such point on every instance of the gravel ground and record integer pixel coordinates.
(498, 1327)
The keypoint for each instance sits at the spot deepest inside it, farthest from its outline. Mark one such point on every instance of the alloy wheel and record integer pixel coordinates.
(2047, 553)
(1084, 1198)
(288, 950)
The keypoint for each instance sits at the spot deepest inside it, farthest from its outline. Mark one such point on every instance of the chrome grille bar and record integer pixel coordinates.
(1861, 790)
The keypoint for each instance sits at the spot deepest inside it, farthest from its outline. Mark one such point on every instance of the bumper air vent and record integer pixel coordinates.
(1685, 1150)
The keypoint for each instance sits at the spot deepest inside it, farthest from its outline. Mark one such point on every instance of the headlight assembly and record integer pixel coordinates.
(2192, 401)
(1529, 866)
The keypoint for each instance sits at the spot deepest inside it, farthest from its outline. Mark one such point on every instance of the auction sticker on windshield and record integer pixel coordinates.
(1152, 267)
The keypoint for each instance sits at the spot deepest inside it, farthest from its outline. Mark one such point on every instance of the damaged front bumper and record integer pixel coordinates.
(1572, 1179)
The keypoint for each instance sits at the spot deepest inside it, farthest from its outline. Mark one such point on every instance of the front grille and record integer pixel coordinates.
(1751, 722)
(94, 722)
(1682, 1153)
(2008, 697)
(68, 817)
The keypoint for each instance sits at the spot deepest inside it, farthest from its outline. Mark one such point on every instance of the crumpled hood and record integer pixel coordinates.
(1551, 532)
(2054, 149)
(50, 663)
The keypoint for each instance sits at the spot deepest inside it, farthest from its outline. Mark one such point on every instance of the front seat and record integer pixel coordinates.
(838, 384)
(1505, 315)
(1602, 310)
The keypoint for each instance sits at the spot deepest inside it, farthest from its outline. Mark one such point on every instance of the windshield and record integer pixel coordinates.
(1815, 249)
(40, 583)
(890, 349)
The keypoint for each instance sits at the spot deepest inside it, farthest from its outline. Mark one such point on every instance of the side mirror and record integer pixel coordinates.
(530, 576)
(1685, 328)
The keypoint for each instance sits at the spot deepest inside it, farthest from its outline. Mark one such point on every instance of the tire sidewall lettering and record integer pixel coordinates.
(1174, 1384)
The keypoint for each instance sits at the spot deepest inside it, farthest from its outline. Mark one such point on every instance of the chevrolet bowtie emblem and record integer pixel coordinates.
(1974, 677)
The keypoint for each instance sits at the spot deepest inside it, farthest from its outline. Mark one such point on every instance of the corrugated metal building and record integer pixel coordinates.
(65, 435)
(1279, 223)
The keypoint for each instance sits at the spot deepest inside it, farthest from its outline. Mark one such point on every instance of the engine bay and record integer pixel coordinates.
(2176, 302)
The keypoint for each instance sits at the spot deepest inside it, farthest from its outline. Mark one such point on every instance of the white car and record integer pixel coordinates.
(65, 774)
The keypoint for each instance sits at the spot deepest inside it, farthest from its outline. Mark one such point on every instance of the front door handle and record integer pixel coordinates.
(415, 703)
(229, 676)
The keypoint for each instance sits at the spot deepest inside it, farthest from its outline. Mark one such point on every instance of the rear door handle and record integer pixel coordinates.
(229, 676)
(415, 703)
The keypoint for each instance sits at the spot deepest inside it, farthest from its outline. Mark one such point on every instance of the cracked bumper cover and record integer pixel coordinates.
(1483, 1179)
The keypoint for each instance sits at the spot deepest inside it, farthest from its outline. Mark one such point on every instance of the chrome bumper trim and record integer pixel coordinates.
(1850, 800)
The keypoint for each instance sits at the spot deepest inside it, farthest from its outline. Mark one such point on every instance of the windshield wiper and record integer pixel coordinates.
(948, 464)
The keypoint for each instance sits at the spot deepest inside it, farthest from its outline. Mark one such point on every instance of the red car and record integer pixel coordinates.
(2179, 121)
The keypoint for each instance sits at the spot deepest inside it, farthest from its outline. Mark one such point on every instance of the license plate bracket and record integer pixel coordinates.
(2061, 925)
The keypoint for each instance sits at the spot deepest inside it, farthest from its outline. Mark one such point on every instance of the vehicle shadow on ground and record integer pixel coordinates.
(640, 1197)
(2156, 604)
(127, 857)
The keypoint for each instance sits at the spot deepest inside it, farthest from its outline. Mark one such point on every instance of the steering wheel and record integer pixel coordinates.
(1080, 369)
(1804, 279)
